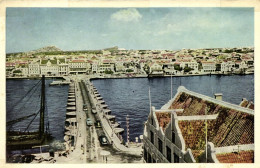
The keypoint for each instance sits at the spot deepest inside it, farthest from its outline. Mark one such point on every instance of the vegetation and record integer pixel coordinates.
(108, 72)
(17, 71)
(129, 70)
(187, 69)
(177, 67)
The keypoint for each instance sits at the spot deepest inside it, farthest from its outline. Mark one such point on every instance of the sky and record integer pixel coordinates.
(130, 28)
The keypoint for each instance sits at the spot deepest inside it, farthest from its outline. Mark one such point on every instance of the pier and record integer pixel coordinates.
(82, 139)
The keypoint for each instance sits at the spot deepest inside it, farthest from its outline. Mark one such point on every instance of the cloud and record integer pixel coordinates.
(127, 15)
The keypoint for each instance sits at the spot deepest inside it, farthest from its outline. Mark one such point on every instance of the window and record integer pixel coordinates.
(152, 121)
(176, 158)
(145, 154)
(152, 137)
(149, 158)
(160, 145)
(173, 137)
(168, 154)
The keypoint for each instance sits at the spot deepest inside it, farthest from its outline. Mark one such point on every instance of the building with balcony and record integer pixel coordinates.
(208, 67)
(77, 67)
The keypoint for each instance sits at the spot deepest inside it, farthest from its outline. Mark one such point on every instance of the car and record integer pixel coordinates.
(85, 107)
(103, 140)
(89, 122)
(98, 124)
(94, 111)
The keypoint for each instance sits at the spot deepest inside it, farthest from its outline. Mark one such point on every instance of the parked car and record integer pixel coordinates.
(98, 124)
(103, 140)
(85, 107)
(89, 122)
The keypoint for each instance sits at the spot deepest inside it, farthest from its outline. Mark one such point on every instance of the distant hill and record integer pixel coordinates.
(46, 49)
(111, 49)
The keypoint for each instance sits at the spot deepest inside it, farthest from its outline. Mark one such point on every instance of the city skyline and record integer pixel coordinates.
(130, 28)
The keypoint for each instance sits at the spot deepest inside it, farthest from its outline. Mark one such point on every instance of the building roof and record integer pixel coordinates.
(76, 61)
(163, 118)
(247, 104)
(236, 157)
(232, 125)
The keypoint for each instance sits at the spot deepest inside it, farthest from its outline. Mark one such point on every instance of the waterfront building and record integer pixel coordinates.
(34, 69)
(106, 65)
(191, 64)
(49, 67)
(63, 68)
(156, 68)
(94, 67)
(208, 67)
(77, 67)
(194, 128)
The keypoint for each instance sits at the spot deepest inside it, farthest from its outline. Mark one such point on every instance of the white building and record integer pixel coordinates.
(192, 64)
(34, 69)
(77, 67)
(208, 67)
(49, 67)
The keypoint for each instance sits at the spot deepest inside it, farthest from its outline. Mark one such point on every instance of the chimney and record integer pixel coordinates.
(218, 96)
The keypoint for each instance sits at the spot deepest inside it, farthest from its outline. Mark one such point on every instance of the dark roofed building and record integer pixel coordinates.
(182, 128)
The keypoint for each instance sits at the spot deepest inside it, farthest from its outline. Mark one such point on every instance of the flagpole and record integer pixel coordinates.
(206, 132)
(171, 85)
(150, 99)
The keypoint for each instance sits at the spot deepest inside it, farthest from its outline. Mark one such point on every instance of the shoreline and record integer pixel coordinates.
(125, 77)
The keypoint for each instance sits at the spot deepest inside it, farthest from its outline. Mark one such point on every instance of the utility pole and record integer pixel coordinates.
(127, 128)
(171, 85)
(206, 133)
(42, 109)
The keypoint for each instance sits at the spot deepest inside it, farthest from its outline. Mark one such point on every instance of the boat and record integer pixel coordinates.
(60, 83)
(25, 140)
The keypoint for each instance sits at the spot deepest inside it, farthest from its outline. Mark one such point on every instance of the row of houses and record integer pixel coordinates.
(138, 62)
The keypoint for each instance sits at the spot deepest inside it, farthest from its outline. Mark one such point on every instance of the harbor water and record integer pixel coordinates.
(123, 96)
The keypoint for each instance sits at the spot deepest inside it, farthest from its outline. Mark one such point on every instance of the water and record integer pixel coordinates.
(123, 96)
(131, 96)
(56, 100)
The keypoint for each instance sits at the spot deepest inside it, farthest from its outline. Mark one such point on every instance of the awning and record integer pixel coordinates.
(71, 108)
(71, 132)
(107, 110)
(101, 101)
(115, 125)
(71, 113)
(71, 120)
(71, 103)
(118, 130)
(97, 94)
(110, 117)
(104, 105)
(99, 98)
(71, 100)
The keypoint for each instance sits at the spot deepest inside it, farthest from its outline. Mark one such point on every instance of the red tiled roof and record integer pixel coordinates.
(163, 119)
(77, 61)
(231, 127)
(245, 103)
(234, 157)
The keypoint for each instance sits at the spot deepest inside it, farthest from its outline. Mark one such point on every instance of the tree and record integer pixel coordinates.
(187, 69)
(177, 67)
(108, 72)
(129, 70)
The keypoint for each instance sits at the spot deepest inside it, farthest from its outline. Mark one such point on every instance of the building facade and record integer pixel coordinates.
(194, 128)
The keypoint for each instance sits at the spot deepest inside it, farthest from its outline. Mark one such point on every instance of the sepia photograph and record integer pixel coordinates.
(121, 85)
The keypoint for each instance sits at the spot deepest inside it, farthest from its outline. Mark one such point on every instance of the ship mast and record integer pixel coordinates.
(42, 109)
